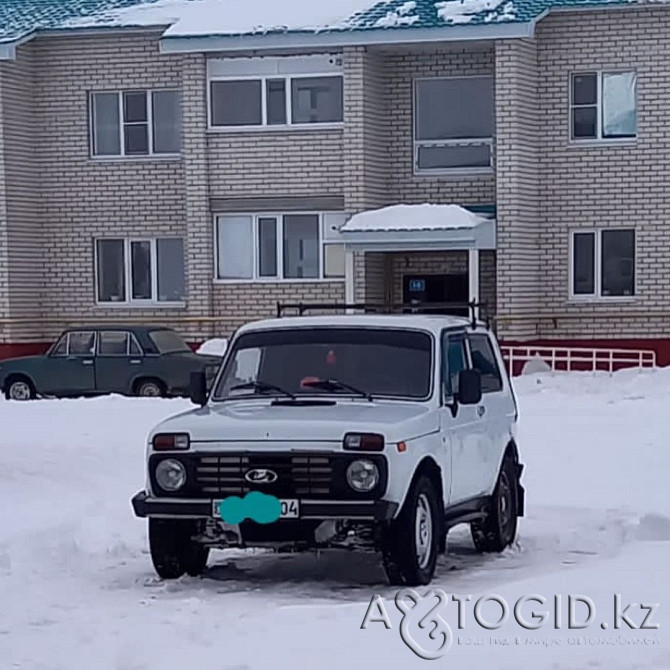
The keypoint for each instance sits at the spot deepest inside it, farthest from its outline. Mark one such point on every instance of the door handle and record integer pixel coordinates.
(88, 361)
(135, 361)
(481, 410)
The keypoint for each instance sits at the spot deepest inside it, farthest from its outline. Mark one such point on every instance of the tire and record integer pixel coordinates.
(411, 543)
(20, 388)
(173, 551)
(498, 530)
(150, 388)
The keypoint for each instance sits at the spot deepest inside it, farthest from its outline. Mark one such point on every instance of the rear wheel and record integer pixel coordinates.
(20, 388)
(174, 552)
(150, 388)
(498, 530)
(411, 543)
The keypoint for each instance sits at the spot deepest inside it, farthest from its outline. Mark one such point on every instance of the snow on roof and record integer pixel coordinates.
(413, 217)
(20, 19)
(229, 17)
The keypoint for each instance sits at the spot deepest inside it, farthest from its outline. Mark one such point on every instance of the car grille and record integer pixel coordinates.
(298, 475)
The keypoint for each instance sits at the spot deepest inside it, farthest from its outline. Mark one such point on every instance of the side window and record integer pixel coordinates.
(453, 361)
(135, 349)
(484, 360)
(61, 348)
(81, 343)
(113, 343)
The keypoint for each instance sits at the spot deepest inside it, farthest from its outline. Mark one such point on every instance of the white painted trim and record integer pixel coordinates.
(151, 155)
(417, 144)
(279, 278)
(599, 140)
(473, 277)
(596, 297)
(349, 277)
(288, 93)
(129, 302)
(333, 38)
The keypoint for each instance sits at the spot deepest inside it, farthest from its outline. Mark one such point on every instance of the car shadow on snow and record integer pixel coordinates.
(332, 574)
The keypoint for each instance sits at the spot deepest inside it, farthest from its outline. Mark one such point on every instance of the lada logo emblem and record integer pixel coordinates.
(261, 476)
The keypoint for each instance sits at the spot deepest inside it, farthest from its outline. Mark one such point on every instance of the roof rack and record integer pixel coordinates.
(413, 307)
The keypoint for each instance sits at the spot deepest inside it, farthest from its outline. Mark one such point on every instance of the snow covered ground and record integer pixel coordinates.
(77, 589)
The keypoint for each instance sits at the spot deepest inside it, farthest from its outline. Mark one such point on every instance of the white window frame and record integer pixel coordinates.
(279, 278)
(597, 296)
(264, 126)
(599, 139)
(128, 275)
(472, 141)
(122, 125)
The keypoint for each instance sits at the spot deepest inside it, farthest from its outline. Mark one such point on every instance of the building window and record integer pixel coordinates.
(603, 264)
(276, 247)
(453, 124)
(140, 271)
(275, 101)
(603, 106)
(136, 123)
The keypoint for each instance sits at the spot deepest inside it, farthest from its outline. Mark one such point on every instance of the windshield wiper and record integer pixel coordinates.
(263, 387)
(336, 385)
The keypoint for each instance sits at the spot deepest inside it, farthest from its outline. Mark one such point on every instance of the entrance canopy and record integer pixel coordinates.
(419, 227)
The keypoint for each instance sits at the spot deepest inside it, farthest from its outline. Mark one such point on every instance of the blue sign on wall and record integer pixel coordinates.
(417, 285)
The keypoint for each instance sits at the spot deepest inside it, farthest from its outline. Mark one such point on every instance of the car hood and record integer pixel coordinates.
(15, 363)
(252, 420)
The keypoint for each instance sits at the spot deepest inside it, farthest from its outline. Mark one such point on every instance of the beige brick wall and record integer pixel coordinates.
(238, 303)
(368, 108)
(82, 198)
(605, 186)
(517, 189)
(401, 70)
(22, 259)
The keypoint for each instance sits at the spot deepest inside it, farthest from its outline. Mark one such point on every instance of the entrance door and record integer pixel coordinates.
(428, 289)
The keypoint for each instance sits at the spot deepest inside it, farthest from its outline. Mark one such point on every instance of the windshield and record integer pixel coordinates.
(168, 342)
(376, 362)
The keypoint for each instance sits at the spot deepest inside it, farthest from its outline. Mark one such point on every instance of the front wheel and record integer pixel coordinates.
(174, 552)
(498, 530)
(20, 389)
(411, 543)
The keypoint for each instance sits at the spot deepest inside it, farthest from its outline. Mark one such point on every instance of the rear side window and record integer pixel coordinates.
(484, 360)
(113, 343)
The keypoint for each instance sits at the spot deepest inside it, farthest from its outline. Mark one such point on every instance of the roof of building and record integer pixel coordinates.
(388, 19)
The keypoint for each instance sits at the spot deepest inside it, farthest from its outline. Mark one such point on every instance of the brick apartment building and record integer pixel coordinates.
(192, 171)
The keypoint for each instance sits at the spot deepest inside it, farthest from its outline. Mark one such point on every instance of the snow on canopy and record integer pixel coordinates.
(413, 217)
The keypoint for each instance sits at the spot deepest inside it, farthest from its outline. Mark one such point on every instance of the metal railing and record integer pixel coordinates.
(577, 358)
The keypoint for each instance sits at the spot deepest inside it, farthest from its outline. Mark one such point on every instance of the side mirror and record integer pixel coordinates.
(198, 388)
(469, 387)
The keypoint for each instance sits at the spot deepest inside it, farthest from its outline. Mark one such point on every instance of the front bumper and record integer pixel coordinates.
(310, 510)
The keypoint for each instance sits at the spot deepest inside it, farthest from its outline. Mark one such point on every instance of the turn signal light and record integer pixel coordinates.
(363, 442)
(171, 442)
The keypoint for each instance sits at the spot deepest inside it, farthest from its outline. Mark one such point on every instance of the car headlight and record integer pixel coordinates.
(170, 474)
(362, 476)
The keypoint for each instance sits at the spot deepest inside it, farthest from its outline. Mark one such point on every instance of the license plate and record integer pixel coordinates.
(290, 509)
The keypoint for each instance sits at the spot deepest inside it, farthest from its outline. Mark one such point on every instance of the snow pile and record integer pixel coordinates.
(413, 217)
(214, 347)
(455, 12)
(230, 17)
(402, 16)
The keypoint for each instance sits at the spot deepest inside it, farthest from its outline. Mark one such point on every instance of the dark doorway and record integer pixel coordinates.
(428, 289)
